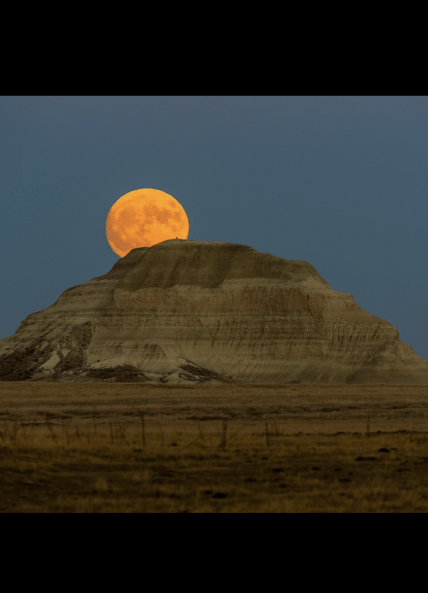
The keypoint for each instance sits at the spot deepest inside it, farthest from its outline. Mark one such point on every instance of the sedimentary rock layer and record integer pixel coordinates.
(185, 311)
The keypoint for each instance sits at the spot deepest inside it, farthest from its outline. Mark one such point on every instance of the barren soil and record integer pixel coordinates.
(103, 447)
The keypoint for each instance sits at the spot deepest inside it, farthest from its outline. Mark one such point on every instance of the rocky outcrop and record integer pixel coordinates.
(190, 311)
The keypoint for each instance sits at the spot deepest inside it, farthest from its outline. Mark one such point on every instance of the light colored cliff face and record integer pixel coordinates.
(203, 311)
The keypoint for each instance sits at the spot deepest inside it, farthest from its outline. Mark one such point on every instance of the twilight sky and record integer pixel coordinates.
(341, 182)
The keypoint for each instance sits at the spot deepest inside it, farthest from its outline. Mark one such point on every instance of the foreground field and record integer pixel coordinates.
(104, 447)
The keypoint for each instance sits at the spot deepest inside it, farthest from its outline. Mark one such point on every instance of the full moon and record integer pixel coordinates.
(144, 217)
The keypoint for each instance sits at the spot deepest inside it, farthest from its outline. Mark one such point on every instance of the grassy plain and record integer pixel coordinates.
(117, 447)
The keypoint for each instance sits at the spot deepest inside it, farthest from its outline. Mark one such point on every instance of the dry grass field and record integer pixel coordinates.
(118, 447)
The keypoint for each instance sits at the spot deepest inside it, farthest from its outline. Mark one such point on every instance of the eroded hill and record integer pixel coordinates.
(187, 311)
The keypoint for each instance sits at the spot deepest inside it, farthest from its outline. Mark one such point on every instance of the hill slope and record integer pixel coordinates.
(185, 311)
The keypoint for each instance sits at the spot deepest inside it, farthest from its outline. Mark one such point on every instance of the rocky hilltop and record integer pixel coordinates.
(184, 311)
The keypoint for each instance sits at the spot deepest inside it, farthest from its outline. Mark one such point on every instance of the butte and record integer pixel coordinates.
(193, 311)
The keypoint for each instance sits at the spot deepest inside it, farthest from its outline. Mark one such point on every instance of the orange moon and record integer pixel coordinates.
(144, 217)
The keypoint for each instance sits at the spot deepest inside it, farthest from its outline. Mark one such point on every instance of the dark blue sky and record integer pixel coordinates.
(341, 182)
